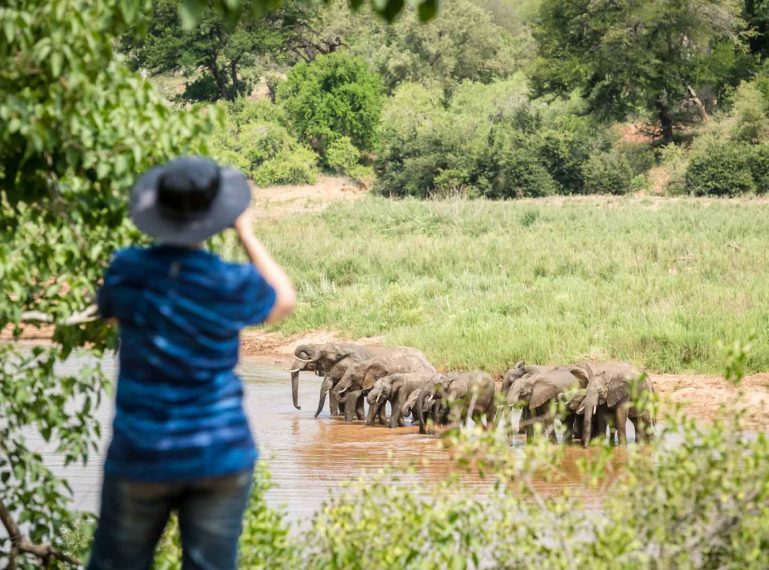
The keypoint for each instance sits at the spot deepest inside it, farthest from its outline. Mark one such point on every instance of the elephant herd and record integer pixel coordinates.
(586, 399)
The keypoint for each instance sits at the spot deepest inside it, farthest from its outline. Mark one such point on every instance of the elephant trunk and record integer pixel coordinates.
(588, 407)
(514, 393)
(324, 388)
(295, 388)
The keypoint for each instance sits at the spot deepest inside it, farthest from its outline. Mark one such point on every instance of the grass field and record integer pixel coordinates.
(483, 284)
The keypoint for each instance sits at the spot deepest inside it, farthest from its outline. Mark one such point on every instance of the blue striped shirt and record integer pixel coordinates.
(179, 412)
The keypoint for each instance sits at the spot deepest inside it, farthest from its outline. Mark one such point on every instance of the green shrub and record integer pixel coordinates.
(245, 111)
(639, 156)
(266, 152)
(759, 167)
(512, 169)
(418, 141)
(295, 166)
(342, 156)
(751, 110)
(675, 160)
(608, 173)
(720, 168)
(334, 95)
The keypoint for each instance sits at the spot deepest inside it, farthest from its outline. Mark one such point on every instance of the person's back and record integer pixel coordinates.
(181, 440)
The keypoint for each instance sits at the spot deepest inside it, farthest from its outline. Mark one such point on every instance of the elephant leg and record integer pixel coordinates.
(333, 403)
(360, 410)
(382, 415)
(620, 418)
(395, 416)
(373, 412)
(491, 414)
(350, 404)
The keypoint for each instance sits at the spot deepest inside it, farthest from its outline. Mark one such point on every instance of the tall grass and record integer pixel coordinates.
(483, 284)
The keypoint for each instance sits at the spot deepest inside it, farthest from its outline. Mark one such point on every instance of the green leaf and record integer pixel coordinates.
(57, 59)
(428, 9)
(190, 12)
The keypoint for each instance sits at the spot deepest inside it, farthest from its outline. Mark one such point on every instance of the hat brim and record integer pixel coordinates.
(233, 198)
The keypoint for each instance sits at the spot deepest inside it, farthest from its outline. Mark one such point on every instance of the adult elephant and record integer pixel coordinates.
(616, 393)
(427, 403)
(457, 396)
(360, 378)
(330, 360)
(520, 370)
(397, 389)
(540, 391)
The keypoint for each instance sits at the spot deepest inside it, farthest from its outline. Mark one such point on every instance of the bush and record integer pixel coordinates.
(512, 169)
(342, 156)
(759, 167)
(750, 112)
(418, 141)
(675, 160)
(266, 152)
(334, 95)
(639, 156)
(720, 168)
(608, 173)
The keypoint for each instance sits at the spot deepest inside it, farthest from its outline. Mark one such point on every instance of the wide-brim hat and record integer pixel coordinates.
(209, 198)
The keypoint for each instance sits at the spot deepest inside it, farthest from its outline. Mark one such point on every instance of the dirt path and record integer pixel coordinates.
(277, 202)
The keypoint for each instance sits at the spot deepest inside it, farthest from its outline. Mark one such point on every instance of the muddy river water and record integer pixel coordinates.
(308, 457)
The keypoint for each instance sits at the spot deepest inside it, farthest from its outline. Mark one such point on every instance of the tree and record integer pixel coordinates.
(636, 54)
(464, 43)
(335, 95)
(211, 54)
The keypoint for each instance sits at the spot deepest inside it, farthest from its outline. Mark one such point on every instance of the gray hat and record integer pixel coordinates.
(188, 200)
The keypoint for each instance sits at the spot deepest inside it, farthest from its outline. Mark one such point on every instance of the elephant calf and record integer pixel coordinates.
(359, 379)
(540, 388)
(457, 396)
(397, 389)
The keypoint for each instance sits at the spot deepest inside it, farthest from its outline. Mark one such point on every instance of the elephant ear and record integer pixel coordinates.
(582, 373)
(617, 390)
(373, 373)
(543, 392)
(336, 351)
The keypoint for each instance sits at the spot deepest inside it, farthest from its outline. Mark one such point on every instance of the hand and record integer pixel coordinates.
(245, 222)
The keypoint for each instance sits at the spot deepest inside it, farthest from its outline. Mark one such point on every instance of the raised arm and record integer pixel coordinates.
(285, 295)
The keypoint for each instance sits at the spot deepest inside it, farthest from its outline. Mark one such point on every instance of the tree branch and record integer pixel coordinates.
(86, 316)
(21, 545)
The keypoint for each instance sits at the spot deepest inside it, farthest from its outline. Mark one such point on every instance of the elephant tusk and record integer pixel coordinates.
(295, 370)
(299, 358)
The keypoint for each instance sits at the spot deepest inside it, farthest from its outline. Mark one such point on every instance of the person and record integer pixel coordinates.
(181, 440)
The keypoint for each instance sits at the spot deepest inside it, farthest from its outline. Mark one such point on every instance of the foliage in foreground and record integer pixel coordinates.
(75, 128)
(698, 498)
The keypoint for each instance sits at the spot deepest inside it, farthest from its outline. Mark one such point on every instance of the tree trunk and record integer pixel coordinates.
(666, 121)
(234, 78)
(221, 84)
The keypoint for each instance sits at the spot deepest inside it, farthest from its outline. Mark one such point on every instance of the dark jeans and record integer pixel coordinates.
(134, 514)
